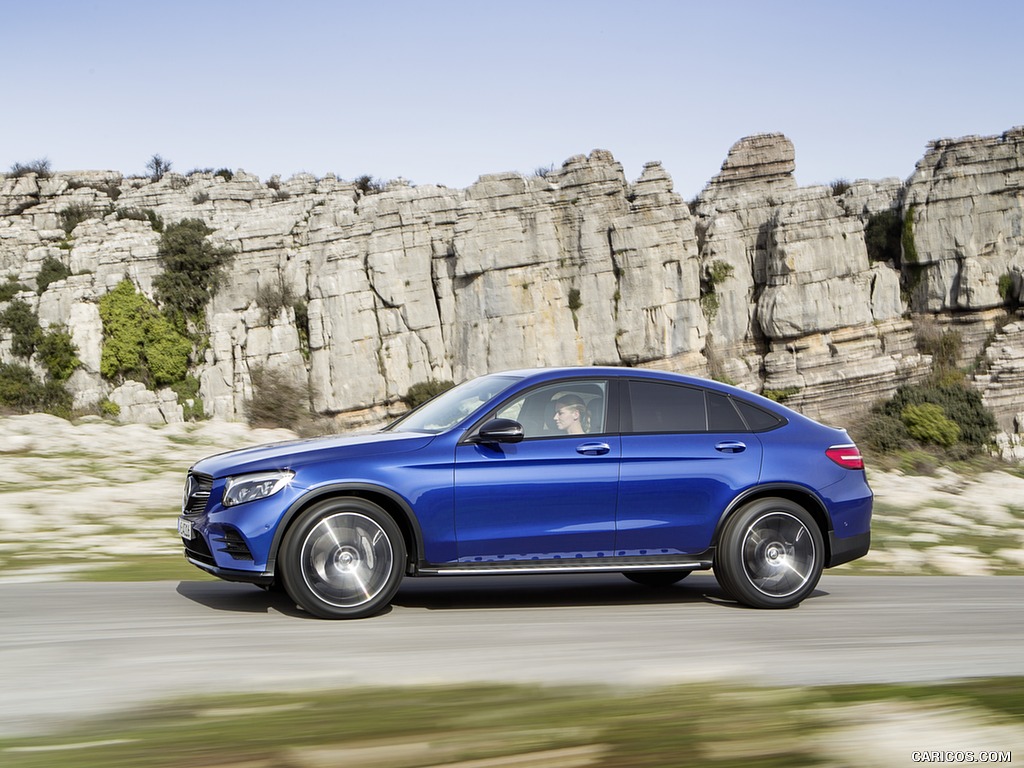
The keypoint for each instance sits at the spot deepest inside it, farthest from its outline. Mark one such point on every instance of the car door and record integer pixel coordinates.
(686, 454)
(551, 496)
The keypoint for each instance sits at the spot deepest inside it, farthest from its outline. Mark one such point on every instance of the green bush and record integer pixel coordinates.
(1008, 290)
(22, 392)
(50, 271)
(138, 341)
(193, 269)
(575, 302)
(301, 309)
(224, 173)
(58, 354)
(188, 397)
(23, 323)
(927, 423)
(273, 298)
(144, 214)
(959, 403)
(109, 408)
(839, 186)
(714, 275)
(74, 215)
(423, 391)
(166, 351)
(11, 288)
(884, 433)
(369, 185)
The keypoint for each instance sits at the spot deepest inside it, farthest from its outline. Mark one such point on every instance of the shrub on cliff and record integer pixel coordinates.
(51, 271)
(23, 323)
(193, 270)
(139, 342)
(927, 423)
(950, 416)
(40, 168)
(22, 392)
(58, 354)
(276, 400)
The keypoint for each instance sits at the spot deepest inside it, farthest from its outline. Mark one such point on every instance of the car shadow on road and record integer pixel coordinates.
(483, 592)
(237, 598)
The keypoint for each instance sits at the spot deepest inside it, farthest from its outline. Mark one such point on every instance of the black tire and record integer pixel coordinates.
(656, 578)
(770, 554)
(343, 558)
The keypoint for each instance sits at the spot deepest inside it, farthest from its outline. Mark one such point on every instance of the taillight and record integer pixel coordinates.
(846, 456)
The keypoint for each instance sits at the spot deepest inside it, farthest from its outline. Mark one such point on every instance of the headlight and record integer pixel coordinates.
(259, 485)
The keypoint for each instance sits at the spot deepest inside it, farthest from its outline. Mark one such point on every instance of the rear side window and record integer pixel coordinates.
(758, 419)
(722, 416)
(661, 407)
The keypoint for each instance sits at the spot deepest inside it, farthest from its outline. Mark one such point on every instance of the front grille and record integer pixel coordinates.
(197, 493)
(234, 545)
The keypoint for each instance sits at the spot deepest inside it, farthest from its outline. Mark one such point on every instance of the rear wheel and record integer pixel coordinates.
(770, 554)
(656, 578)
(343, 559)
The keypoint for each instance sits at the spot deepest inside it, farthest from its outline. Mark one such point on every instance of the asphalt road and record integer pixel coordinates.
(74, 649)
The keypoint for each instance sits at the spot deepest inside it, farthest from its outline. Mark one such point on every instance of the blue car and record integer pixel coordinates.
(570, 470)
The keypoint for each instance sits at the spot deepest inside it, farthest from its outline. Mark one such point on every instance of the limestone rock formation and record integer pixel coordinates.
(356, 293)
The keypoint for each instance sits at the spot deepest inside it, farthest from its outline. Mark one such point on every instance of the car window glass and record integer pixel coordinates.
(722, 417)
(661, 407)
(575, 407)
(757, 419)
(449, 408)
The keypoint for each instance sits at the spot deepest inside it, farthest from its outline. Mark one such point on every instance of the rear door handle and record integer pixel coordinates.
(731, 446)
(593, 449)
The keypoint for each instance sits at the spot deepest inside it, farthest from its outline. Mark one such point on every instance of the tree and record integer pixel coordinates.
(157, 167)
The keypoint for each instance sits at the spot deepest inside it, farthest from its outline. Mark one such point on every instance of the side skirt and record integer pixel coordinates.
(581, 565)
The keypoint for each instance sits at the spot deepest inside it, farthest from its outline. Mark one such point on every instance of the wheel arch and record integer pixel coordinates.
(796, 493)
(391, 502)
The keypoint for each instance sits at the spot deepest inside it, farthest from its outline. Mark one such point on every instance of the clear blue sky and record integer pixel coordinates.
(443, 91)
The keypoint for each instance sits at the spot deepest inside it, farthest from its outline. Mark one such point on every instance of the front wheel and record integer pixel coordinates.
(770, 554)
(343, 559)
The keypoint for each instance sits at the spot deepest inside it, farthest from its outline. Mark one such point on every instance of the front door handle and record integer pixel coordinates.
(731, 446)
(593, 449)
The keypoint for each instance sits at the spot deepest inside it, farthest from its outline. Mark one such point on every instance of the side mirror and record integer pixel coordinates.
(499, 431)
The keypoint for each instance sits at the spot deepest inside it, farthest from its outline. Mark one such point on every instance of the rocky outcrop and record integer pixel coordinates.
(357, 295)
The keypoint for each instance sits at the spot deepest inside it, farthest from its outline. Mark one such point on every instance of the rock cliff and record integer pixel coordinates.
(356, 293)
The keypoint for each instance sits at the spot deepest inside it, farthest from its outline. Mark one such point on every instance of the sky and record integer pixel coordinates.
(444, 91)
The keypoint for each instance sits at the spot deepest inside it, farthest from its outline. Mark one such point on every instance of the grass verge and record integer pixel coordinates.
(705, 724)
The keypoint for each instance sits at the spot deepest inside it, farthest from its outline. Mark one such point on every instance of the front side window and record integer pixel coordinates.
(566, 408)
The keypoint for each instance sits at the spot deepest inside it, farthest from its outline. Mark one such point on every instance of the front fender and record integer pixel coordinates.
(395, 504)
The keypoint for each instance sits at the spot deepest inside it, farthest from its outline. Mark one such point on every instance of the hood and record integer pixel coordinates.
(296, 453)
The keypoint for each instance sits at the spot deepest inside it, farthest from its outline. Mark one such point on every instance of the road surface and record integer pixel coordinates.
(74, 649)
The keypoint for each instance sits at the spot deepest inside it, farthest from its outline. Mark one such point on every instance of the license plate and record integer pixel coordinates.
(185, 528)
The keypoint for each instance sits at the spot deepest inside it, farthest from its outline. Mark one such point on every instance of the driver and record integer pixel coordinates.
(570, 413)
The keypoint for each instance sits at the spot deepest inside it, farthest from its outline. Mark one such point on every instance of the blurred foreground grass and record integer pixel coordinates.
(485, 726)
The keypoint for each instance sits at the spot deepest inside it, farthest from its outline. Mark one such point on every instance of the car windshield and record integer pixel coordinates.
(449, 408)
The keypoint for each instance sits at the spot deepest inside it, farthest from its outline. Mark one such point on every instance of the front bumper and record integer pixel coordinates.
(229, 574)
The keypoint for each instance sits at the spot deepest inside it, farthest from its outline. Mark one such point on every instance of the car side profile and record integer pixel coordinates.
(561, 470)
